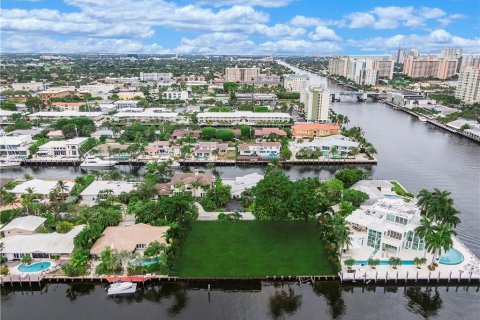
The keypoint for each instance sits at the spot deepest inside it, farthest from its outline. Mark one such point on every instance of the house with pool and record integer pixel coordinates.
(385, 229)
(40, 245)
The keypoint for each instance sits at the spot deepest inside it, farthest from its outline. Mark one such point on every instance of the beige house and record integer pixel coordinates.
(196, 183)
(134, 238)
(23, 226)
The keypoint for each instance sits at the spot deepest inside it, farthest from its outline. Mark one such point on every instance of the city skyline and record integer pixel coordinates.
(237, 27)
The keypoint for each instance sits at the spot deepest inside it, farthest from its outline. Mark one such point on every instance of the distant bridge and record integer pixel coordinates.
(361, 95)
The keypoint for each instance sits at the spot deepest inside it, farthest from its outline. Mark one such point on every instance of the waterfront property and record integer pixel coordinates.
(336, 146)
(194, 183)
(15, 146)
(253, 249)
(261, 150)
(63, 148)
(132, 238)
(241, 184)
(23, 225)
(40, 245)
(385, 229)
(90, 195)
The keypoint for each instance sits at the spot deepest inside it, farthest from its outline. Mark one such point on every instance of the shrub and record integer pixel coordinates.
(27, 259)
(373, 262)
(3, 270)
(349, 262)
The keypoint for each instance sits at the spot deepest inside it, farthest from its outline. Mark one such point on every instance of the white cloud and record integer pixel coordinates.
(33, 43)
(278, 30)
(392, 17)
(259, 3)
(429, 43)
(302, 21)
(298, 46)
(217, 43)
(360, 20)
(324, 34)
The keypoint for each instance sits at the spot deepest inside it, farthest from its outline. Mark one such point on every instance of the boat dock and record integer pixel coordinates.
(359, 277)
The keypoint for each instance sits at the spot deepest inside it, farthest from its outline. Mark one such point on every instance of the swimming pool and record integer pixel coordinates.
(146, 263)
(35, 267)
(385, 262)
(451, 257)
(392, 196)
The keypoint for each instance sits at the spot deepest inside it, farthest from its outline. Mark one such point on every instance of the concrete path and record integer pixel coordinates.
(211, 216)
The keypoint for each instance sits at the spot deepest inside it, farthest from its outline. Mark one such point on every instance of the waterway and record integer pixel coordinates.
(417, 154)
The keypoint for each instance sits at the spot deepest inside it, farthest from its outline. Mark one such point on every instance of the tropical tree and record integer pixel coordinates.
(419, 261)
(373, 262)
(62, 189)
(438, 240)
(27, 259)
(334, 151)
(154, 249)
(349, 262)
(394, 262)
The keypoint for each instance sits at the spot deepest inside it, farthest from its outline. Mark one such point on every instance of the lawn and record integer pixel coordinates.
(253, 248)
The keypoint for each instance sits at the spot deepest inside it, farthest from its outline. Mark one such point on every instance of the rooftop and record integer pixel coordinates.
(127, 237)
(41, 242)
(43, 187)
(116, 186)
(30, 223)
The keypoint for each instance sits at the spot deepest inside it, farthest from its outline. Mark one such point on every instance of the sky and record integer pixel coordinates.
(300, 27)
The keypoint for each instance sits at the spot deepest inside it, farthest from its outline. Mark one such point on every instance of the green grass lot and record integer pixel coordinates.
(253, 248)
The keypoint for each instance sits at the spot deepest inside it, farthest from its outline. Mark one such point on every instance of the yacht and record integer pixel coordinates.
(119, 287)
(8, 163)
(95, 162)
(423, 119)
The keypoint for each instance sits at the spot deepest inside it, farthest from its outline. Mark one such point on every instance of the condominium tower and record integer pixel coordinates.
(241, 74)
(468, 85)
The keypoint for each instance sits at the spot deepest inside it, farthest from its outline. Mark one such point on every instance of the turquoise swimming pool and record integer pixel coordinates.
(145, 263)
(34, 267)
(385, 262)
(392, 196)
(451, 257)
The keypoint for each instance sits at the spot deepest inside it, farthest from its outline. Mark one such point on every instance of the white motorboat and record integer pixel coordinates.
(119, 287)
(7, 163)
(175, 164)
(423, 119)
(95, 162)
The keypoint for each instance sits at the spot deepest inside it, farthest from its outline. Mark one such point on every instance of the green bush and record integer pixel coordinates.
(3, 270)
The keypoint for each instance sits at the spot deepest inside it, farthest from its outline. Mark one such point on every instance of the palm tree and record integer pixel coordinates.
(354, 151)
(333, 151)
(438, 206)
(62, 189)
(439, 240)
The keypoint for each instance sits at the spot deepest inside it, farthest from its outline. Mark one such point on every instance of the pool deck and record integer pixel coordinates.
(468, 270)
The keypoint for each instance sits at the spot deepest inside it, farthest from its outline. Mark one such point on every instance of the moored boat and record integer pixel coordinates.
(119, 287)
(95, 162)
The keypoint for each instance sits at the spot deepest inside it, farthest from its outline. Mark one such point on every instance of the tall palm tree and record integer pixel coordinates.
(62, 189)
(334, 151)
(440, 239)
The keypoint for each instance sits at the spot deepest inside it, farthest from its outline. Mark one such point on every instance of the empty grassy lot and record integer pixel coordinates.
(253, 248)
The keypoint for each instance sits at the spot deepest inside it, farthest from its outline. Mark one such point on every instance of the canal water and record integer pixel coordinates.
(417, 154)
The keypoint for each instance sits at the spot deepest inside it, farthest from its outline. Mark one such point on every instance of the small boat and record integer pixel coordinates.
(175, 164)
(95, 162)
(7, 163)
(119, 287)
(423, 119)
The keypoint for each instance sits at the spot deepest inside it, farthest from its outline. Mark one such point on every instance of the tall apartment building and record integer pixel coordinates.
(384, 68)
(429, 67)
(468, 86)
(338, 66)
(296, 82)
(403, 54)
(451, 53)
(470, 60)
(317, 103)
(362, 71)
(156, 76)
(241, 74)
